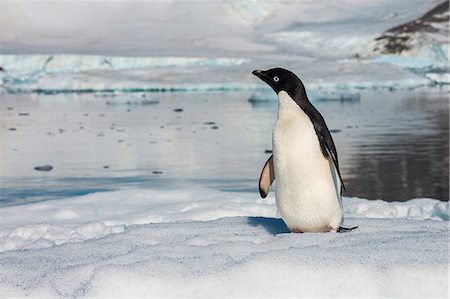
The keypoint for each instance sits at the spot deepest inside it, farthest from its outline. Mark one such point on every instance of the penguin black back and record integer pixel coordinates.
(284, 80)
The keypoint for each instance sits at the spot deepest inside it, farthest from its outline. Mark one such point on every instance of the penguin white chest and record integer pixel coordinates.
(307, 192)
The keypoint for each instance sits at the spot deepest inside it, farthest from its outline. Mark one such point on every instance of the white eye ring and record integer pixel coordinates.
(276, 79)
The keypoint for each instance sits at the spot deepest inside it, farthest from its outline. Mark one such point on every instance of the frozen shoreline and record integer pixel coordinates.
(185, 240)
(96, 215)
(235, 257)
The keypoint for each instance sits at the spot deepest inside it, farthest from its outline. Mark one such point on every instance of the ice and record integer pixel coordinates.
(238, 257)
(430, 61)
(420, 208)
(439, 78)
(73, 73)
(47, 235)
(193, 242)
(62, 73)
(95, 215)
(329, 44)
(68, 63)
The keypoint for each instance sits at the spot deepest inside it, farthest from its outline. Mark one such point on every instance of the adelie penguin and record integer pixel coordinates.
(304, 160)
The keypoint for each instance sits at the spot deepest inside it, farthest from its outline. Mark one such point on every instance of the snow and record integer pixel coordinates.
(90, 46)
(74, 73)
(243, 256)
(419, 208)
(153, 28)
(110, 73)
(95, 215)
(67, 63)
(198, 242)
(204, 242)
(432, 55)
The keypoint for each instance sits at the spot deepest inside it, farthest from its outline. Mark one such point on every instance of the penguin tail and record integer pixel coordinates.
(342, 229)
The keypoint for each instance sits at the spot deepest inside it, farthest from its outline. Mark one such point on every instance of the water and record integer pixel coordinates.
(391, 145)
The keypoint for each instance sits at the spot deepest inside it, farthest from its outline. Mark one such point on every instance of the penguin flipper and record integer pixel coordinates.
(267, 177)
(337, 181)
(326, 140)
(333, 156)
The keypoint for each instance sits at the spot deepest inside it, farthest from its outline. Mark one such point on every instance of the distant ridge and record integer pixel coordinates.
(404, 37)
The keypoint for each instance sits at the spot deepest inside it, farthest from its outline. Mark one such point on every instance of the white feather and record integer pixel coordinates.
(308, 189)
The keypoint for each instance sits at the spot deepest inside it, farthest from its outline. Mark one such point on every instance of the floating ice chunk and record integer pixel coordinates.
(422, 208)
(439, 77)
(342, 96)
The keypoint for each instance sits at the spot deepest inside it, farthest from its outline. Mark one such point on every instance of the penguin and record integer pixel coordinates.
(304, 160)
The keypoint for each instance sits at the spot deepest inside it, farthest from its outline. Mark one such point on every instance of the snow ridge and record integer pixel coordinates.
(230, 257)
(77, 219)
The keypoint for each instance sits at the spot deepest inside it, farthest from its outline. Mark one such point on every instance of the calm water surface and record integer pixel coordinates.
(391, 145)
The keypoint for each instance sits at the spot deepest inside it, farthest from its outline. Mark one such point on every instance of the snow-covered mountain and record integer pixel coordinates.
(432, 28)
(72, 46)
(423, 43)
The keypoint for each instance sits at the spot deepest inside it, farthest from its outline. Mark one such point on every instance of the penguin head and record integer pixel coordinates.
(279, 79)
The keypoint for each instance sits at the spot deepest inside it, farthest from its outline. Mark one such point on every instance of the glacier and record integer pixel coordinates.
(80, 73)
(100, 73)
(330, 45)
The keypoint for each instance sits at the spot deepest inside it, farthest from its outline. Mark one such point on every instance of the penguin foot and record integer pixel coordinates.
(296, 230)
(333, 230)
(342, 229)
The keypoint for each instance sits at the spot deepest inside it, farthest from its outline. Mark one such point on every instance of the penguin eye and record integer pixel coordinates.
(276, 79)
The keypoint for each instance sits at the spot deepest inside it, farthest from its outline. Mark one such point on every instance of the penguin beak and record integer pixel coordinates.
(257, 73)
(262, 75)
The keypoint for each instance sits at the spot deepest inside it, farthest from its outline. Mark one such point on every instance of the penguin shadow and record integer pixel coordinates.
(273, 226)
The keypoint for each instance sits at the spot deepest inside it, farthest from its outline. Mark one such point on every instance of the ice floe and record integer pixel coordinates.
(95, 215)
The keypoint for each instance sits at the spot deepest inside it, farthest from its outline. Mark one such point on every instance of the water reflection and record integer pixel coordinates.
(391, 145)
(407, 155)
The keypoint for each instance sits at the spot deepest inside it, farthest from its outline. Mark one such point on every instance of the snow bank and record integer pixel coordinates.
(208, 243)
(420, 208)
(76, 219)
(238, 257)
(47, 235)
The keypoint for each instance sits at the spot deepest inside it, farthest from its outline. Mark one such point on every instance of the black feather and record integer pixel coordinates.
(323, 133)
(325, 139)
